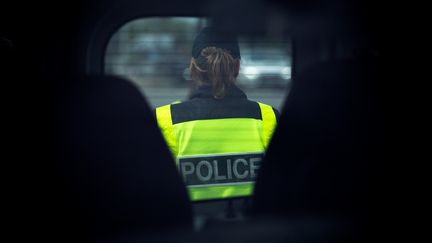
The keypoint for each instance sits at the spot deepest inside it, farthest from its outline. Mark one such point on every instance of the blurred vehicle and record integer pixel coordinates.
(265, 69)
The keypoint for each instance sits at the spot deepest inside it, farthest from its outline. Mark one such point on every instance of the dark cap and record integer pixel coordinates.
(210, 37)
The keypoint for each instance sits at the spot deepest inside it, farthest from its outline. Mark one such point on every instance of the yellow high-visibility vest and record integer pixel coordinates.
(217, 157)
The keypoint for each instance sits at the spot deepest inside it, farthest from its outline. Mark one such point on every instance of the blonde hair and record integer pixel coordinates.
(215, 67)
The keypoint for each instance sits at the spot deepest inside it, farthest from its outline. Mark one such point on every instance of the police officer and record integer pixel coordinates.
(218, 136)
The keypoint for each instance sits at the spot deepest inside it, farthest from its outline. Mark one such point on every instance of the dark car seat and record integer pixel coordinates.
(114, 174)
(324, 153)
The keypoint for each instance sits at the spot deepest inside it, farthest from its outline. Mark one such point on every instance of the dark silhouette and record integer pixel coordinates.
(114, 173)
(324, 153)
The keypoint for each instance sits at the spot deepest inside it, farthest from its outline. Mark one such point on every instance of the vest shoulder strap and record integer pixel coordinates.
(164, 120)
(269, 123)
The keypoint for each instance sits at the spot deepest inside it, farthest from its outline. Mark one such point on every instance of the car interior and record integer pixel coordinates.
(86, 161)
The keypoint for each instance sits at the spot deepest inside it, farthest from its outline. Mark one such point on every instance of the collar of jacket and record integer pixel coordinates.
(206, 91)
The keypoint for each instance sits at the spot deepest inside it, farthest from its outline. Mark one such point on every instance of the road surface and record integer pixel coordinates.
(162, 96)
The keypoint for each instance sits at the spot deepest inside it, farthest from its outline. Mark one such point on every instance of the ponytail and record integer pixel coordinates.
(215, 67)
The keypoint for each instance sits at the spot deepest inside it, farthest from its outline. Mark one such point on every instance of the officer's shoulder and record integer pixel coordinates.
(275, 111)
(166, 105)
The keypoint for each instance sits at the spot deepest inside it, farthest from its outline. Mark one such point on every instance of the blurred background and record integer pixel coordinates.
(154, 53)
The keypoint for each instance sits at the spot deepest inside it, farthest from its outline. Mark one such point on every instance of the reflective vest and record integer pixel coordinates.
(217, 151)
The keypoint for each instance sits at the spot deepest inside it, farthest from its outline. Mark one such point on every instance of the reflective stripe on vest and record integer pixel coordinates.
(164, 120)
(221, 156)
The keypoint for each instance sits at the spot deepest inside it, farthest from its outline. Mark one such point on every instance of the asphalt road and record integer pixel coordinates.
(162, 96)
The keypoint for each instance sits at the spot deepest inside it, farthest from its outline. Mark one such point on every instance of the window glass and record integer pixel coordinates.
(155, 54)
